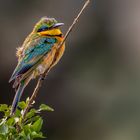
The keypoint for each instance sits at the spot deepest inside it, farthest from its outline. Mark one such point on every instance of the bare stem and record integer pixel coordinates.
(42, 77)
(38, 86)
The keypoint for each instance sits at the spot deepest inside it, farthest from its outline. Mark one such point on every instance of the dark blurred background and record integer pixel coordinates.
(95, 89)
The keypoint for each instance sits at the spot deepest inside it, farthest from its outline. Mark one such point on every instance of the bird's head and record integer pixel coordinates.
(48, 27)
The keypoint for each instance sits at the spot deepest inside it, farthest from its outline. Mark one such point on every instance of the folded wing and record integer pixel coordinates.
(32, 55)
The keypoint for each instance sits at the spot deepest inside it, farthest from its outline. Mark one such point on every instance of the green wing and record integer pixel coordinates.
(36, 50)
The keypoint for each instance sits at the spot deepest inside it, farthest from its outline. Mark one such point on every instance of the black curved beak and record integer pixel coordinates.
(58, 25)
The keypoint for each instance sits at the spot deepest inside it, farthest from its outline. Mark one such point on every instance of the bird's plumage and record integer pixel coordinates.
(33, 54)
(38, 53)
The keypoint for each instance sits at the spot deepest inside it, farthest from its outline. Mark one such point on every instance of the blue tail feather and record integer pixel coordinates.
(17, 97)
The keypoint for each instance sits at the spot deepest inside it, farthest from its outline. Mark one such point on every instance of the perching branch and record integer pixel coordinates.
(74, 22)
(42, 77)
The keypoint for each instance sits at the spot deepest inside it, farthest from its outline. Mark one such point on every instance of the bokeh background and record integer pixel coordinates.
(95, 89)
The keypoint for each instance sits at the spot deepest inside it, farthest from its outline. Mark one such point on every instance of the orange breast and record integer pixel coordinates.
(59, 54)
(50, 60)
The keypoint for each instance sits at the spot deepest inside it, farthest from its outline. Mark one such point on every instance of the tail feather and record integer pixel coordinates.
(17, 97)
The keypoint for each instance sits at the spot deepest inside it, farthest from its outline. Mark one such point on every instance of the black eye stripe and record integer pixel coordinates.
(45, 28)
(59, 35)
(42, 29)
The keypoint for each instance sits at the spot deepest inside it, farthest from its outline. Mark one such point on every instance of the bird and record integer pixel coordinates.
(39, 53)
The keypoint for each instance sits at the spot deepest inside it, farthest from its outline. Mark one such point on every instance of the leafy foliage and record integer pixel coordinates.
(15, 128)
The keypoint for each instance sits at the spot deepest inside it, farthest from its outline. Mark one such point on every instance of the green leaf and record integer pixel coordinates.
(4, 129)
(30, 128)
(22, 134)
(7, 113)
(31, 120)
(2, 137)
(3, 107)
(27, 130)
(31, 113)
(45, 107)
(37, 135)
(18, 113)
(37, 125)
(22, 105)
(27, 100)
(12, 130)
(3, 121)
(10, 121)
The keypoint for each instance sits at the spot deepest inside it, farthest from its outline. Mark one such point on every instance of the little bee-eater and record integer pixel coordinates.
(39, 53)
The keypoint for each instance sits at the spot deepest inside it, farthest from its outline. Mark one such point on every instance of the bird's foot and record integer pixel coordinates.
(43, 77)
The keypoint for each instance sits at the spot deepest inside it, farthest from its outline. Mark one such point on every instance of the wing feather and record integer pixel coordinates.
(32, 55)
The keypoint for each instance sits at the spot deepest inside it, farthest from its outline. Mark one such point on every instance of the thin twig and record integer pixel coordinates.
(74, 22)
(42, 77)
(31, 100)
